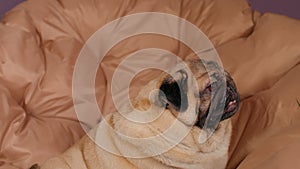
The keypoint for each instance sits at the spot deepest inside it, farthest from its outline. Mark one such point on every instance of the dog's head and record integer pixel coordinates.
(171, 123)
(189, 91)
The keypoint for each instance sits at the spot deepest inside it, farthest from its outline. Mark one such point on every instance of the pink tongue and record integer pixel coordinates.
(231, 105)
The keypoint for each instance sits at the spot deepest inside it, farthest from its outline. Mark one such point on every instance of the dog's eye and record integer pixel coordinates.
(207, 90)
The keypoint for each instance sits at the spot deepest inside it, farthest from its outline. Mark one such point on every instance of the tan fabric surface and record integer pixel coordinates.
(40, 41)
(262, 58)
(265, 66)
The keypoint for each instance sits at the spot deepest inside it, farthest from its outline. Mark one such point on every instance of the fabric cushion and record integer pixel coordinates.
(265, 66)
(39, 43)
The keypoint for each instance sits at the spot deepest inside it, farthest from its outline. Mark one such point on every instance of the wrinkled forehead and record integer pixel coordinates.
(191, 65)
(203, 66)
(206, 72)
(197, 69)
(200, 68)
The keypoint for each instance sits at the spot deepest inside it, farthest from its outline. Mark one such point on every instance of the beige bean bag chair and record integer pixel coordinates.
(40, 41)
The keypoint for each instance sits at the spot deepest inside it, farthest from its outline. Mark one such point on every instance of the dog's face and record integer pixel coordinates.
(189, 92)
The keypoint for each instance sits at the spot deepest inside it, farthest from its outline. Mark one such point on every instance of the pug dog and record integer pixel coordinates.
(179, 120)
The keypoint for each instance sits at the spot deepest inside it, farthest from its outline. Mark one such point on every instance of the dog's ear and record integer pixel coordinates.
(173, 93)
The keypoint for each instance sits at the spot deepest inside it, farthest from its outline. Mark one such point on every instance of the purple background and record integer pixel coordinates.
(286, 7)
(6, 5)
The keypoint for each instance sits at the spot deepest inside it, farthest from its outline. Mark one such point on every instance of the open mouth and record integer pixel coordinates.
(232, 100)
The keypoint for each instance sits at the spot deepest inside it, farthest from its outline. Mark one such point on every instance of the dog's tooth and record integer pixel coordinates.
(232, 103)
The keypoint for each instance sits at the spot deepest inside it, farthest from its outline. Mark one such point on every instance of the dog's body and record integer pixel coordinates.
(170, 139)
